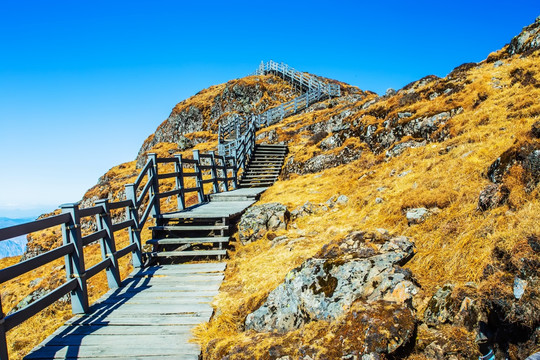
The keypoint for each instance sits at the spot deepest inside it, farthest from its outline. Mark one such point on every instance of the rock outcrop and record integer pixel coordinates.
(204, 111)
(528, 40)
(363, 266)
(260, 219)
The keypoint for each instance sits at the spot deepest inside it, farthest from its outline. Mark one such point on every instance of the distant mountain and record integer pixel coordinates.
(15, 246)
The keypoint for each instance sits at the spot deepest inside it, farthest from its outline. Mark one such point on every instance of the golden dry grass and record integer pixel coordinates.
(453, 245)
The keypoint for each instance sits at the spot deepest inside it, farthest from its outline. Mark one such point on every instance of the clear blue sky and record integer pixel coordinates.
(83, 83)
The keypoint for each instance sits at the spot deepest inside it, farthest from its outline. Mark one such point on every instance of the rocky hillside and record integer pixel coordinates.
(210, 107)
(403, 225)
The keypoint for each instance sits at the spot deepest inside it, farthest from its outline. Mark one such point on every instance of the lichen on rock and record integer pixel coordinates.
(363, 266)
(260, 219)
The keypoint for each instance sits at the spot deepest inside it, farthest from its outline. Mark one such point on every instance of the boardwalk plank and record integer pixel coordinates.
(124, 330)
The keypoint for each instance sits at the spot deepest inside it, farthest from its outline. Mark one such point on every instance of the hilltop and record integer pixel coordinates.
(450, 164)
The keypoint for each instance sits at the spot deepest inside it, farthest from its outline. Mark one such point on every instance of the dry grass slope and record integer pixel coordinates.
(456, 244)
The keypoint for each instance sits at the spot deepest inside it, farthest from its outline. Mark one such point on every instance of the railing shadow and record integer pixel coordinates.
(69, 341)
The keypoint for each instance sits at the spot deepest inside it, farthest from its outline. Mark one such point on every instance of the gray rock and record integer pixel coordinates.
(497, 63)
(399, 148)
(379, 200)
(184, 143)
(441, 308)
(417, 215)
(404, 173)
(342, 200)
(34, 282)
(390, 92)
(321, 162)
(405, 114)
(307, 209)
(527, 40)
(331, 142)
(519, 287)
(260, 219)
(339, 200)
(325, 286)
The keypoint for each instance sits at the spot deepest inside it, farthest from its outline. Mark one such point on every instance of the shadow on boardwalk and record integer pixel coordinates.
(150, 316)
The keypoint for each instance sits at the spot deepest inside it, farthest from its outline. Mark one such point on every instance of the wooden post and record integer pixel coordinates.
(108, 246)
(132, 212)
(179, 169)
(153, 176)
(3, 342)
(235, 172)
(199, 179)
(71, 232)
(213, 172)
(225, 172)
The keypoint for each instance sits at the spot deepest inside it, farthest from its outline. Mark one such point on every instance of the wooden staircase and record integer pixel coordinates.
(202, 231)
(264, 166)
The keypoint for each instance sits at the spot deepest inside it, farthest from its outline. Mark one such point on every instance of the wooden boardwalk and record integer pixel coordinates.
(150, 317)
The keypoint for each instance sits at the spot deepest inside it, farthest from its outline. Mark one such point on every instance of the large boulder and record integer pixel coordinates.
(260, 219)
(363, 266)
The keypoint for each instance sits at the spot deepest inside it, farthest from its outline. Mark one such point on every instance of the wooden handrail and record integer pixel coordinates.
(236, 146)
(37, 225)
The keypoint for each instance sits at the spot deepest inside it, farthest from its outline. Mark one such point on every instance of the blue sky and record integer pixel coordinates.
(83, 83)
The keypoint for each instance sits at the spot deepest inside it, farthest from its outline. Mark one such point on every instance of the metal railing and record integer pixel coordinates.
(237, 137)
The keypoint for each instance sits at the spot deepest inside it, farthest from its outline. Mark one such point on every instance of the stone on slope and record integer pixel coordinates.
(260, 219)
(363, 266)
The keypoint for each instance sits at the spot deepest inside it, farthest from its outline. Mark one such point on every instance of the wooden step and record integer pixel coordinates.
(263, 172)
(260, 176)
(267, 158)
(270, 146)
(256, 184)
(189, 228)
(265, 161)
(178, 241)
(270, 152)
(273, 169)
(188, 253)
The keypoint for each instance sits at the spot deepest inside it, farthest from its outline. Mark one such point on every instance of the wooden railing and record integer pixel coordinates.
(203, 174)
(237, 137)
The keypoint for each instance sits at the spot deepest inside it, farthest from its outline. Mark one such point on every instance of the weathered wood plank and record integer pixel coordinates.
(127, 350)
(189, 253)
(152, 300)
(114, 319)
(166, 289)
(184, 268)
(124, 330)
(119, 340)
(161, 309)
